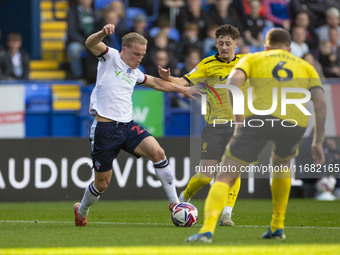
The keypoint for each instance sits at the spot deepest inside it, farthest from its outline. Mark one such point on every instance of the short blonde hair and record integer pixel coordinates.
(133, 37)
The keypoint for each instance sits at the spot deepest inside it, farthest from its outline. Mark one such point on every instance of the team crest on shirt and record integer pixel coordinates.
(97, 165)
(129, 71)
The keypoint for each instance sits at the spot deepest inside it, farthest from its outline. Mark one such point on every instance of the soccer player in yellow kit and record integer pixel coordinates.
(266, 71)
(210, 71)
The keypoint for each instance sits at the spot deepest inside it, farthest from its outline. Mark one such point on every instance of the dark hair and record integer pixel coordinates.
(191, 26)
(278, 36)
(307, 54)
(212, 26)
(163, 23)
(300, 12)
(14, 37)
(227, 30)
(191, 50)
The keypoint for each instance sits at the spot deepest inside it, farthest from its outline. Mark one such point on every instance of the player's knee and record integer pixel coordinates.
(228, 178)
(102, 185)
(207, 174)
(158, 154)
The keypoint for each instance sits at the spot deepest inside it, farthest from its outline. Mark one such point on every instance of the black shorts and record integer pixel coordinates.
(248, 141)
(214, 141)
(108, 138)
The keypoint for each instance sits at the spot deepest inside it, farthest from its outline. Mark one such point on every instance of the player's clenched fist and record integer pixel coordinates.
(109, 29)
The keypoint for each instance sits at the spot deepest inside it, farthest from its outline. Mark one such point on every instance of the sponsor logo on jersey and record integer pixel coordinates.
(125, 76)
(193, 70)
(205, 87)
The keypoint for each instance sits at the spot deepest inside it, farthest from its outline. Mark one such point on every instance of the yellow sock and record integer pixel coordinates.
(233, 192)
(280, 194)
(196, 182)
(214, 205)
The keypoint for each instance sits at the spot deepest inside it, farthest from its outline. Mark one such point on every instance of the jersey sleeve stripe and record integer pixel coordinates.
(186, 78)
(102, 55)
(139, 83)
(316, 87)
(242, 71)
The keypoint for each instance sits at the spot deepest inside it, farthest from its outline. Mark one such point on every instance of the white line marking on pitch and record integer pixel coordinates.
(146, 223)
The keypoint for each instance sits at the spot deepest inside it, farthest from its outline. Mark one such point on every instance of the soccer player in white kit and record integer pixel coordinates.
(113, 128)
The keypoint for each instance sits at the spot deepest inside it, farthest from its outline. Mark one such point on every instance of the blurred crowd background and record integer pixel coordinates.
(180, 33)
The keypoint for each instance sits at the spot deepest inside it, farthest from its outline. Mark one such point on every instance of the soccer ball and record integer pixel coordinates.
(184, 215)
(326, 184)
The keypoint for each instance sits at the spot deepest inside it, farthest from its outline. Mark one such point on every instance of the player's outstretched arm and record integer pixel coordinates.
(165, 74)
(165, 86)
(94, 42)
(319, 125)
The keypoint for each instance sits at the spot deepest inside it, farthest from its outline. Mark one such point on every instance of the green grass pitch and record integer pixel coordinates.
(145, 227)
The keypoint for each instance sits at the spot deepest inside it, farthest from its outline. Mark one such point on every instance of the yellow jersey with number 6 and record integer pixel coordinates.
(278, 69)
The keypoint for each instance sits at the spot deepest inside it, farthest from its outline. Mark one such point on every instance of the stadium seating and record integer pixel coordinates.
(66, 97)
(131, 12)
(101, 4)
(53, 28)
(38, 97)
(55, 109)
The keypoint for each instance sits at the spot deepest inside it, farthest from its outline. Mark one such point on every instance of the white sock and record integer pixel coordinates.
(164, 174)
(227, 209)
(90, 197)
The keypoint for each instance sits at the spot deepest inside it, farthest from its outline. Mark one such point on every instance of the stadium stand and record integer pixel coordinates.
(52, 33)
